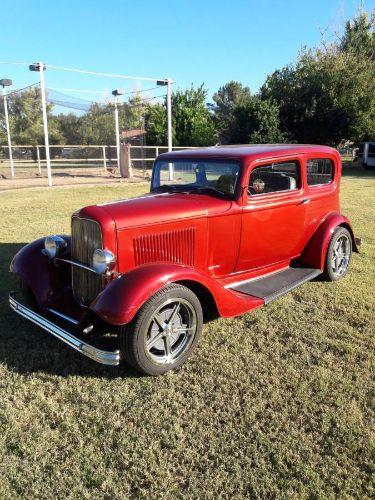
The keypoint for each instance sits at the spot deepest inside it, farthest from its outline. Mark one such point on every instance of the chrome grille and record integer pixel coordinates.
(86, 237)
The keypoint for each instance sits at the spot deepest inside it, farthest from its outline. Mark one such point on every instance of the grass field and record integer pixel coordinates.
(276, 404)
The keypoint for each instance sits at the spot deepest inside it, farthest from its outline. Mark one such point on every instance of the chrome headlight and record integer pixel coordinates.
(102, 260)
(53, 245)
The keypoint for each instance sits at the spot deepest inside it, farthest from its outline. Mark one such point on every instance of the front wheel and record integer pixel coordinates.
(164, 332)
(339, 255)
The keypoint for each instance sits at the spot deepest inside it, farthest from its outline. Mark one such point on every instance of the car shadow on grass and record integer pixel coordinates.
(26, 349)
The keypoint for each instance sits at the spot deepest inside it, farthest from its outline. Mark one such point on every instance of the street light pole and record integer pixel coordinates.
(169, 113)
(6, 83)
(115, 94)
(40, 67)
(168, 83)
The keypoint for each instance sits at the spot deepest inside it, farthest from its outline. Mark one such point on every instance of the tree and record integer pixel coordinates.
(328, 95)
(156, 124)
(226, 99)
(359, 35)
(25, 119)
(70, 126)
(192, 121)
(255, 121)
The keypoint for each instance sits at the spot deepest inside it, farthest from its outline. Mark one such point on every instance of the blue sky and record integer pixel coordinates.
(191, 41)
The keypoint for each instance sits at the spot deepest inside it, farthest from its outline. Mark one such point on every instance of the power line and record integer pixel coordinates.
(99, 91)
(109, 75)
(15, 91)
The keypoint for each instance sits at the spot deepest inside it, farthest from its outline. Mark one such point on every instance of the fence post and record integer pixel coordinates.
(38, 158)
(126, 169)
(157, 151)
(104, 159)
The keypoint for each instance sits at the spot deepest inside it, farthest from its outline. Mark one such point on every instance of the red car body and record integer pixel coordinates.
(207, 243)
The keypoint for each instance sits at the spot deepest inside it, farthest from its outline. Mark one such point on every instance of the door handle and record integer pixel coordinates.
(305, 201)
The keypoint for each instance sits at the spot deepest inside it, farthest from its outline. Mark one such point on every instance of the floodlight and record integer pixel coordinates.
(5, 82)
(36, 67)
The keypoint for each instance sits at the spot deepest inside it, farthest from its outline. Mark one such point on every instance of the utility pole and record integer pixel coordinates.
(169, 113)
(40, 67)
(168, 83)
(116, 93)
(7, 83)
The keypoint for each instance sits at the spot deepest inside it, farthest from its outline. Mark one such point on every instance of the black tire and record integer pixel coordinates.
(329, 273)
(144, 329)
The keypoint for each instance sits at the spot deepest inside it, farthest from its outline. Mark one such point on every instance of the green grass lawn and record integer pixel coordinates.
(276, 404)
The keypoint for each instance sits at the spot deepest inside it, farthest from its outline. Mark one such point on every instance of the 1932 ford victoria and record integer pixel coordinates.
(224, 230)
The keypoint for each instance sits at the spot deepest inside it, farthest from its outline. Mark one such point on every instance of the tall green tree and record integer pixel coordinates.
(226, 99)
(255, 121)
(25, 119)
(192, 121)
(328, 95)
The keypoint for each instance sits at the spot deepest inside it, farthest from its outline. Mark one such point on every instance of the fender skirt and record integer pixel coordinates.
(118, 303)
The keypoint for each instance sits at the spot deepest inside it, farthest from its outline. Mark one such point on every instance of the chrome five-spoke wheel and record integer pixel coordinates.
(171, 330)
(339, 255)
(164, 332)
(342, 250)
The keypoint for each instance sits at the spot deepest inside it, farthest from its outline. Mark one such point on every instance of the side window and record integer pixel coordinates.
(274, 177)
(319, 171)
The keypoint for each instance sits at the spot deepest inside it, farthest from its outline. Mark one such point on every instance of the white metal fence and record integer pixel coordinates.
(95, 161)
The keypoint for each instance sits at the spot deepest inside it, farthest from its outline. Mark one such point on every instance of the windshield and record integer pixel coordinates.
(195, 176)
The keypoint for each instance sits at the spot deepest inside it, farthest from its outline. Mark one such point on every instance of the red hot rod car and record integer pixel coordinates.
(224, 230)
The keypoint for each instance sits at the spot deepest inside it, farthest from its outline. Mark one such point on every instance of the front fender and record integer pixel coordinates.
(314, 254)
(118, 303)
(38, 271)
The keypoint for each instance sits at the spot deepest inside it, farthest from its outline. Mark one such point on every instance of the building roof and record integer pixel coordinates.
(136, 132)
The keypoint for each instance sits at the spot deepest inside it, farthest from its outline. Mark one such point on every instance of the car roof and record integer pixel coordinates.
(247, 151)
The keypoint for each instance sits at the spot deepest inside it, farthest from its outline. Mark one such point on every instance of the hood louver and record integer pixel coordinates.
(171, 246)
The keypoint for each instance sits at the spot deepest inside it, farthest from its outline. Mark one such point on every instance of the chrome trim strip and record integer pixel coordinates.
(111, 358)
(63, 316)
(78, 264)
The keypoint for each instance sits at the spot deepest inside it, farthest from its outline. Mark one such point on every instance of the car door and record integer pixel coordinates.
(273, 215)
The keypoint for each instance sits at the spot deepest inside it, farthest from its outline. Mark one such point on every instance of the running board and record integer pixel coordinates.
(277, 284)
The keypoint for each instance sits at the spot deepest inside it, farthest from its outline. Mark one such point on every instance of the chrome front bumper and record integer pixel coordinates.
(111, 358)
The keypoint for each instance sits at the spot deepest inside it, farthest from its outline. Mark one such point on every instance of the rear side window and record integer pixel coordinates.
(319, 171)
(274, 177)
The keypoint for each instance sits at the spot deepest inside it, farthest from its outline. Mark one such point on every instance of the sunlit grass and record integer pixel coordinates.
(278, 403)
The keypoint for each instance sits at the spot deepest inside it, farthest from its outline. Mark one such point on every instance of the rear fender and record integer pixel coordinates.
(38, 271)
(118, 303)
(314, 254)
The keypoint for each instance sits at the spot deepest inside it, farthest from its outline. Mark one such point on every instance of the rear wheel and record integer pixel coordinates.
(164, 332)
(339, 255)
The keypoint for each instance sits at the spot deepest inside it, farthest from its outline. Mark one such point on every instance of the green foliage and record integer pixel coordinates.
(277, 404)
(359, 35)
(156, 124)
(226, 99)
(192, 121)
(70, 126)
(329, 94)
(255, 121)
(25, 119)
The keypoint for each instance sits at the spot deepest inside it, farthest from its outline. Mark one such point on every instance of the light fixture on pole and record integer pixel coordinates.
(116, 93)
(40, 67)
(5, 82)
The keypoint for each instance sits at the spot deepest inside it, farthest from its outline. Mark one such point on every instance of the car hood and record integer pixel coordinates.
(158, 208)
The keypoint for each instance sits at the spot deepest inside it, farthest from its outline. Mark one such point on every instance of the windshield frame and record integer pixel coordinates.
(185, 187)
